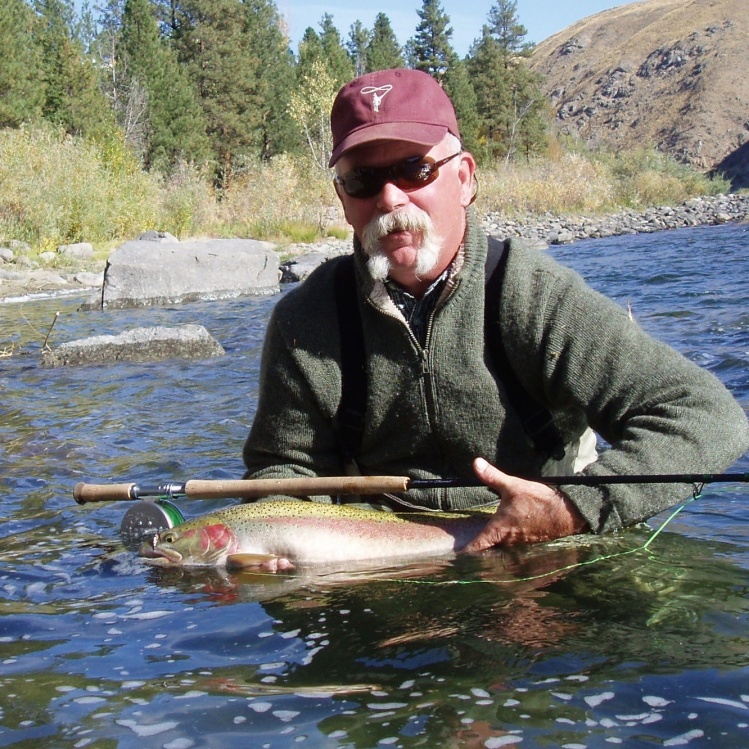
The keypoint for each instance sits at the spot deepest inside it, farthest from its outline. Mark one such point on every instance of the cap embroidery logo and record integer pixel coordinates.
(378, 94)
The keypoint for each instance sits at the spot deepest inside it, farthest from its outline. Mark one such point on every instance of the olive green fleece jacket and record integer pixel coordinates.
(431, 411)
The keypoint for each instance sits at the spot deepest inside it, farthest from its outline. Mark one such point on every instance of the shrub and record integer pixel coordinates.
(56, 189)
(271, 199)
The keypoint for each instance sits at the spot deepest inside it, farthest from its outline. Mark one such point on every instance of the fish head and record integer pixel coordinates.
(204, 543)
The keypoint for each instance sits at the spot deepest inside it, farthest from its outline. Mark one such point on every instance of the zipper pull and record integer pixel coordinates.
(424, 362)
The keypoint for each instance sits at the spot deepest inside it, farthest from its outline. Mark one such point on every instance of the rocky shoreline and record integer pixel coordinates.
(550, 229)
(19, 281)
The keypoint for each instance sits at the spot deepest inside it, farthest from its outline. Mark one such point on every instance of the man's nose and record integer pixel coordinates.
(391, 197)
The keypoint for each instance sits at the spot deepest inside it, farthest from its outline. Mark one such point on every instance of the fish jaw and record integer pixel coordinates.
(203, 544)
(159, 556)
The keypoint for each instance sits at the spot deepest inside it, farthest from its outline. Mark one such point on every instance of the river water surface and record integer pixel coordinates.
(588, 643)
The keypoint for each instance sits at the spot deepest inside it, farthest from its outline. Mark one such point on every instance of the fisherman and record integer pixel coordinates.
(437, 402)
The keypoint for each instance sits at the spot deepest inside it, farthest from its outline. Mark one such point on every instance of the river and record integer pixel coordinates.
(589, 643)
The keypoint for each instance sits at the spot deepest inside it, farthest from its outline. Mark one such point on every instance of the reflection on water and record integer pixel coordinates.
(575, 643)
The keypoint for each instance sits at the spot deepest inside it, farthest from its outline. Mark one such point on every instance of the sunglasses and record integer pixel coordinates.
(409, 174)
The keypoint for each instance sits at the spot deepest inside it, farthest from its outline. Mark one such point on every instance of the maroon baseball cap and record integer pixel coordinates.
(399, 104)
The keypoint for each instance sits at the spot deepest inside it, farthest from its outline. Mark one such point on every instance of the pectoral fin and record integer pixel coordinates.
(264, 562)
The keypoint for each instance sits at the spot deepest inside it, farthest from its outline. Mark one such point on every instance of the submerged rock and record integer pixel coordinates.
(136, 345)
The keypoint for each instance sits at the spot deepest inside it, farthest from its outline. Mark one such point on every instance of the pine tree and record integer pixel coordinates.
(383, 50)
(507, 29)
(459, 88)
(21, 93)
(73, 97)
(274, 80)
(212, 42)
(430, 49)
(509, 100)
(358, 39)
(175, 125)
(338, 62)
(491, 84)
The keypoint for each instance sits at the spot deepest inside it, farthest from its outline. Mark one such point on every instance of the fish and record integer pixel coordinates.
(281, 534)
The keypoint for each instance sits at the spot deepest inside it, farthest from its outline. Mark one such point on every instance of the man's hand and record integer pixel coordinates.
(528, 512)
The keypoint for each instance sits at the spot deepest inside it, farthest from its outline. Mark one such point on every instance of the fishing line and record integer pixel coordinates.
(696, 494)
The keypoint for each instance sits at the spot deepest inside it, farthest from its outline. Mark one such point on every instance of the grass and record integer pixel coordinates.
(574, 182)
(55, 190)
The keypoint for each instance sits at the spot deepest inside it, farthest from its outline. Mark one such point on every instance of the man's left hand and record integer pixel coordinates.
(528, 512)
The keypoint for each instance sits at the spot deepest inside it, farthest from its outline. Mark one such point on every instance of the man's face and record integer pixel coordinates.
(443, 201)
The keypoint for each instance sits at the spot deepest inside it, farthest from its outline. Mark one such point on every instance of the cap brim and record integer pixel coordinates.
(418, 133)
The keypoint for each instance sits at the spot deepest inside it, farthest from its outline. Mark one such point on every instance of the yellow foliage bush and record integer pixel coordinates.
(55, 189)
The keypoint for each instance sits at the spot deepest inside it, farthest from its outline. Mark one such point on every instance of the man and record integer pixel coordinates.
(435, 405)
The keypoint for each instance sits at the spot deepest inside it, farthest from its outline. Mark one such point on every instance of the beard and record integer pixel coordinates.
(410, 219)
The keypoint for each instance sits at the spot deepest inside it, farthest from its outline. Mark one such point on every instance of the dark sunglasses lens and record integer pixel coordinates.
(406, 174)
(414, 173)
(363, 183)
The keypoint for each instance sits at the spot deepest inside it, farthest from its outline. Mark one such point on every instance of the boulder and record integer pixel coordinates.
(79, 250)
(301, 267)
(136, 345)
(143, 272)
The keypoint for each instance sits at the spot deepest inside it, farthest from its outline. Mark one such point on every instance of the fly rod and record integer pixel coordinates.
(333, 485)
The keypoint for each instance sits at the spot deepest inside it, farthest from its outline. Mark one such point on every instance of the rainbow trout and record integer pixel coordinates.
(282, 534)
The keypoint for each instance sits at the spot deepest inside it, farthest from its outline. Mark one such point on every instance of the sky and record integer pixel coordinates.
(541, 18)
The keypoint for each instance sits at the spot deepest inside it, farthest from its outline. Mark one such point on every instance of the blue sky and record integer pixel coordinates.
(542, 18)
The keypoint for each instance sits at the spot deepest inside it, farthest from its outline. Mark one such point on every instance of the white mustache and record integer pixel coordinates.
(409, 218)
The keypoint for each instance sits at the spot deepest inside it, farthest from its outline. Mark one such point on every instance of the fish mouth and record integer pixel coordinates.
(160, 557)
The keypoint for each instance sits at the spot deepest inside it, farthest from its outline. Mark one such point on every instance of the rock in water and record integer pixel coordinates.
(143, 273)
(136, 345)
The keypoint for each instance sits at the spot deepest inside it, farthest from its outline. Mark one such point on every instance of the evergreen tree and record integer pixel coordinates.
(21, 93)
(383, 51)
(509, 100)
(430, 49)
(274, 63)
(459, 88)
(491, 84)
(358, 39)
(507, 29)
(175, 124)
(310, 50)
(338, 61)
(73, 97)
(528, 133)
(212, 42)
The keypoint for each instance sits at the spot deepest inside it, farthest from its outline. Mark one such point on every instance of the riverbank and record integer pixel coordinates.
(18, 282)
(549, 229)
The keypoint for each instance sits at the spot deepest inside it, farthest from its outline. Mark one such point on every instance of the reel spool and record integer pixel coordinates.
(146, 518)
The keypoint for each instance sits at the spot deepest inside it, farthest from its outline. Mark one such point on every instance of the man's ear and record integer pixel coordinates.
(467, 176)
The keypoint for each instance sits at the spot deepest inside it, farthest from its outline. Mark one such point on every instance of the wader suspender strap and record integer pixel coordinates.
(349, 419)
(535, 418)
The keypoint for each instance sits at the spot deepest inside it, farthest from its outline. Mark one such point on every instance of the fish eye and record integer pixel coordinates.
(168, 537)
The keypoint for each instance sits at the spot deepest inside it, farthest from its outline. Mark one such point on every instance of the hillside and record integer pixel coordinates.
(669, 73)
